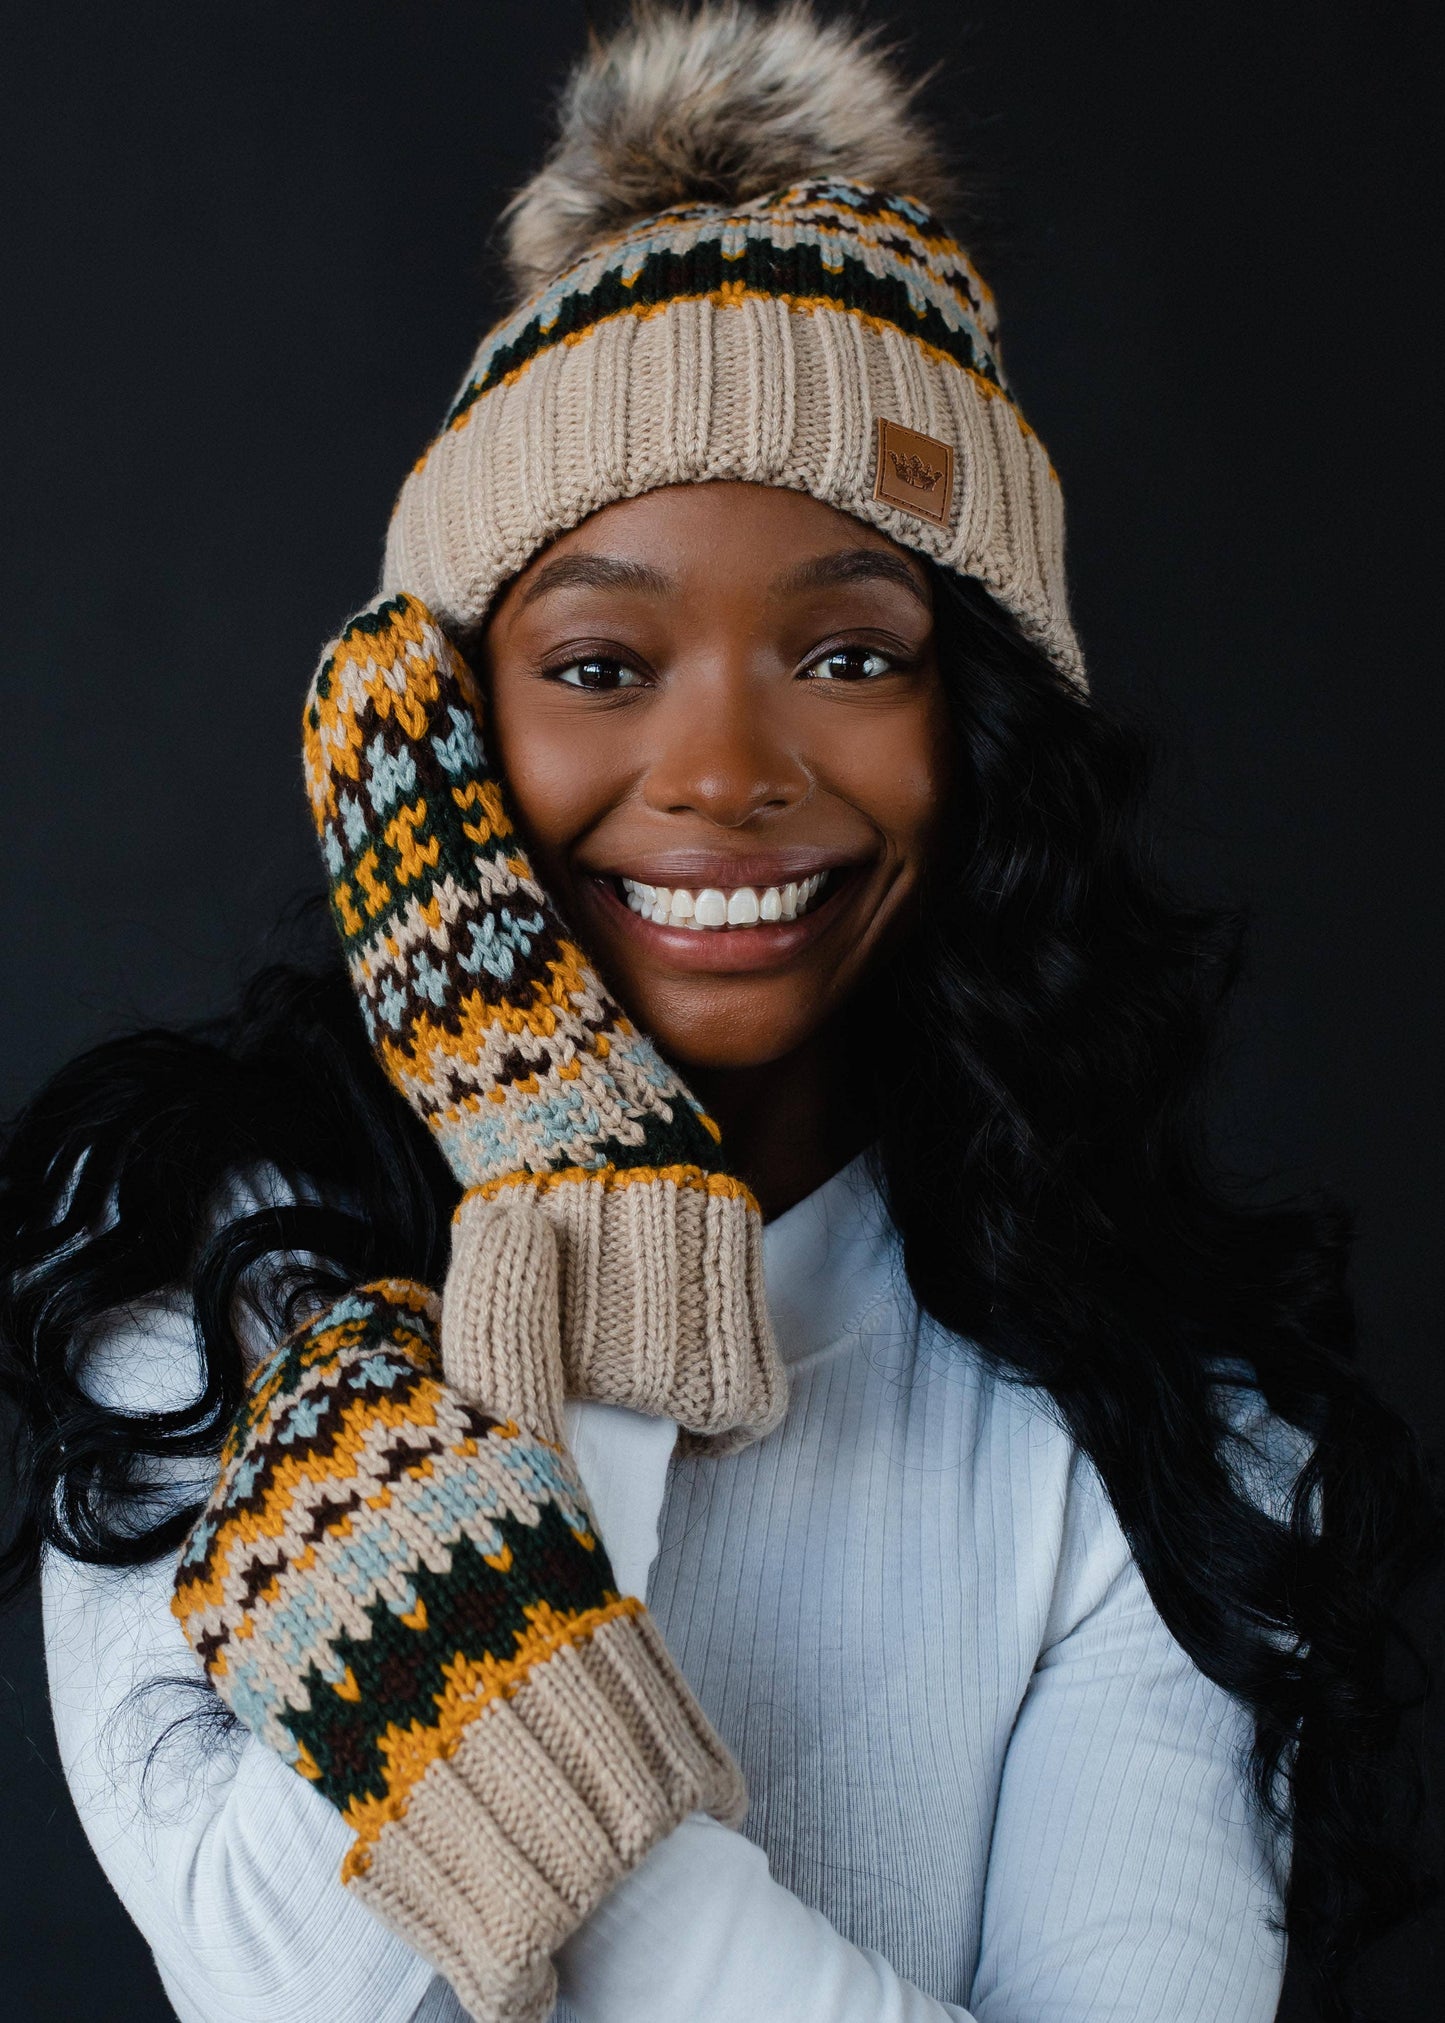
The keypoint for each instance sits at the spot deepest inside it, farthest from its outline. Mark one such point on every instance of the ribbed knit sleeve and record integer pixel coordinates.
(1127, 1876)
(227, 1861)
(701, 1931)
(985, 1780)
(1124, 1878)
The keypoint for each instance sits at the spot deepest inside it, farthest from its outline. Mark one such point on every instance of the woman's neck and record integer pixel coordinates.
(788, 1125)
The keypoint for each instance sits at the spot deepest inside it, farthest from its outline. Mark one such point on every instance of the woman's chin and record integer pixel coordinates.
(723, 1024)
(736, 998)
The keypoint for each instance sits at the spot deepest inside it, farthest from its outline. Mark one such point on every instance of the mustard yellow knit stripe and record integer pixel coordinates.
(472, 1684)
(797, 209)
(731, 296)
(302, 1474)
(610, 1178)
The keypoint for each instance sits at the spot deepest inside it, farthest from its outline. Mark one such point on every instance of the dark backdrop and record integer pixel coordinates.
(247, 258)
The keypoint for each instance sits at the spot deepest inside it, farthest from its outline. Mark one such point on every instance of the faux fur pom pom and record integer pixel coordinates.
(716, 103)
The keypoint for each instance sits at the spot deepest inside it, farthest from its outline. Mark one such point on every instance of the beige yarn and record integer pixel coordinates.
(559, 1788)
(500, 1339)
(662, 1301)
(758, 391)
(552, 1797)
(734, 266)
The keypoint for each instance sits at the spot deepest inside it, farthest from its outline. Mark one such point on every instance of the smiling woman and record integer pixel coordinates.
(715, 1311)
(729, 694)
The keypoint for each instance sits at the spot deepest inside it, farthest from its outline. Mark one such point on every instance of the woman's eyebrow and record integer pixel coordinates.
(853, 565)
(593, 572)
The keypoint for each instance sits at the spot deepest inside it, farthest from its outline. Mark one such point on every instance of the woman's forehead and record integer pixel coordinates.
(667, 540)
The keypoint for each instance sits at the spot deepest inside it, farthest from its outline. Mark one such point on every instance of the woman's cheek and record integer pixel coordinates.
(559, 776)
(895, 773)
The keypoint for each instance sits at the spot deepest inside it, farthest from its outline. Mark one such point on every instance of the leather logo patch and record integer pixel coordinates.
(913, 472)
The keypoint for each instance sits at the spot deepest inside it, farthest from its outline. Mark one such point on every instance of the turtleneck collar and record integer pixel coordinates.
(828, 1261)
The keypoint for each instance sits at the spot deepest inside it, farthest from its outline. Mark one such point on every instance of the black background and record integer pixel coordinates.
(247, 257)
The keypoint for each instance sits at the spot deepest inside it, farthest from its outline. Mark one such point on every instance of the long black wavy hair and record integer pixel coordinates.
(1044, 1154)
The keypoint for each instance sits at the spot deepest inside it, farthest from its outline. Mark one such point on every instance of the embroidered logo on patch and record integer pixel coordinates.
(914, 472)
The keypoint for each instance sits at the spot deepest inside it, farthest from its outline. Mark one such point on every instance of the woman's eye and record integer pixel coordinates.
(598, 675)
(850, 663)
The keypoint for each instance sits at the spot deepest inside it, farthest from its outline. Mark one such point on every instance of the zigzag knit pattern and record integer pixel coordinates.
(831, 245)
(483, 1011)
(380, 1560)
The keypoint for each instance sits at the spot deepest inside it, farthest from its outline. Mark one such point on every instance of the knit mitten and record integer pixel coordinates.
(495, 1027)
(397, 1585)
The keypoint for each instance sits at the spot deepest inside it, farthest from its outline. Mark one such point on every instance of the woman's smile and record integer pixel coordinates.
(724, 916)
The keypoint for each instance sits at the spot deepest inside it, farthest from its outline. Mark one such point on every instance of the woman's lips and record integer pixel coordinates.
(714, 909)
(747, 943)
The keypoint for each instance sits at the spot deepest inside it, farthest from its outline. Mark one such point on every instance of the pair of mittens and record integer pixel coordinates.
(396, 1583)
(496, 1028)
(398, 1586)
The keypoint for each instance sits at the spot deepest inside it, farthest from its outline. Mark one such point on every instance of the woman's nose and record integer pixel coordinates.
(719, 749)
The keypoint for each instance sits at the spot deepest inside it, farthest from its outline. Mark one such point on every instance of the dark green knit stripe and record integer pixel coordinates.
(472, 1610)
(442, 822)
(763, 269)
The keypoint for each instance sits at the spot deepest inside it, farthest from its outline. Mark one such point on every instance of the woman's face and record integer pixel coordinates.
(719, 714)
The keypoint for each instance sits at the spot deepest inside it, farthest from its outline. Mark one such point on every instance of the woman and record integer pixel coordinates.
(1016, 1541)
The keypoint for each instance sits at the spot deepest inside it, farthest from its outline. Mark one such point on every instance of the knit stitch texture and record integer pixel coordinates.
(403, 1595)
(761, 343)
(482, 1009)
(497, 1030)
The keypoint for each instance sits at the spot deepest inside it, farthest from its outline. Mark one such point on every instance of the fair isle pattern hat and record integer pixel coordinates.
(731, 269)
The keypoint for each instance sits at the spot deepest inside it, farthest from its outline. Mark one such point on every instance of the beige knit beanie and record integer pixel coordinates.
(729, 268)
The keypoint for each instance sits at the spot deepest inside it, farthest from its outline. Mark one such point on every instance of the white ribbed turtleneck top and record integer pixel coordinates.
(984, 1780)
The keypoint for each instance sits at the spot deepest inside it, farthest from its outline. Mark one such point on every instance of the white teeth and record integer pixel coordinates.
(675, 906)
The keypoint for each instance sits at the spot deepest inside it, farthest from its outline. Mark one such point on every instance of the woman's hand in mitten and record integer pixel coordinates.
(397, 1585)
(492, 1023)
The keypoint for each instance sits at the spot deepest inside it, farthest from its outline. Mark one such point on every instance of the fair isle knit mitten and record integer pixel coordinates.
(397, 1585)
(500, 1034)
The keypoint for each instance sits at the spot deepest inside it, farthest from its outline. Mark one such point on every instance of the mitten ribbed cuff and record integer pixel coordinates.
(500, 1343)
(663, 1305)
(554, 1793)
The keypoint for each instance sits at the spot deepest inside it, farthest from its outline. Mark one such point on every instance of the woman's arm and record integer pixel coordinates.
(1127, 1877)
(225, 1859)
(700, 1930)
